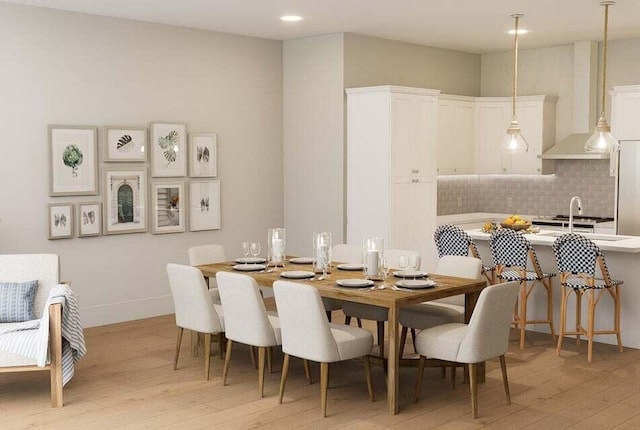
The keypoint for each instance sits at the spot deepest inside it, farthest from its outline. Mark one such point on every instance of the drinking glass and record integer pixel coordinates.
(246, 249)
(385, 266)
(413, 264)
(403, 262)
(255, 248)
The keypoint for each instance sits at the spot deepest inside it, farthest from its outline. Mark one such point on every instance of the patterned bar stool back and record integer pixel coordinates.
(577, 258)
(511, 254)
(452, 240)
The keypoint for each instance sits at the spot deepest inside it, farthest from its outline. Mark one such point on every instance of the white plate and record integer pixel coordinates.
(417, 284)
(297, 274)
(251, 260)
(354, 283)
(350, 266)
(249, 267)
(301, 260)
(409, 274)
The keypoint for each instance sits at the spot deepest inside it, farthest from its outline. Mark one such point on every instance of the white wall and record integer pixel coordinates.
(67, 68)
(313, 139)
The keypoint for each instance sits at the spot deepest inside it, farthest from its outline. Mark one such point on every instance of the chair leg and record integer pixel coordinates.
(444, 372)
(591, 303)
(347, 320)
(367, 371)
(178, 342)
(221, 345)
(329, 315)
(207, 355)
(403, 340)
(261, 358)
(420, 372)
(307, 371)
(227, 359)
(413, 339)
(563, 318)
(473, 386)
(270, 359)
(549, 288)
(381, 337)
(283, 378)
(55, 353)
(324, 385)
(578, 315)
(505, 380)
(453, 377)
(616, 313)
(359, 322)
(523, 312)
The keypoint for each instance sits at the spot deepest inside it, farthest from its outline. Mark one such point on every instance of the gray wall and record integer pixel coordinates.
(68, 68)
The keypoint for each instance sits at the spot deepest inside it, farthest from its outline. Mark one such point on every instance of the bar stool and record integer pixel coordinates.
(577, 258)
(452, 240)
(511, 253)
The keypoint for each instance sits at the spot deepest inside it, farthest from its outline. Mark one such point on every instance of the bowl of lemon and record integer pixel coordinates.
(515, 222)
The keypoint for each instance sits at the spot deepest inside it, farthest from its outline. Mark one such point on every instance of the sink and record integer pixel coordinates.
(603, 237)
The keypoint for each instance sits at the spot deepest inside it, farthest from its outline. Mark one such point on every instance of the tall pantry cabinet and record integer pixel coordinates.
(392, 167)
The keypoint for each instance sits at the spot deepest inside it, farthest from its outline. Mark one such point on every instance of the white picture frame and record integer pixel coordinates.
(60, 220)
(203, 155)
(73, 160)
(125, 205)
(89, 218)
(125, 144)
(168, 206)
(204, 205)
(168, 149)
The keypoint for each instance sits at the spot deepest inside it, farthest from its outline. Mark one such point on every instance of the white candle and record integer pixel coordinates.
(277, 248)
(372, 263)
(321, 255)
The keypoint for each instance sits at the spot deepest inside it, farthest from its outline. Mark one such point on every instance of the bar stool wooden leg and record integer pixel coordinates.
(591, 303)
(616, 302)
(523, 312)
(549, 287)
(578, 315)
(563, 317)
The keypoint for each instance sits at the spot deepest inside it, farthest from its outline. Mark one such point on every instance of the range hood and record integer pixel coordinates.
(585, 72)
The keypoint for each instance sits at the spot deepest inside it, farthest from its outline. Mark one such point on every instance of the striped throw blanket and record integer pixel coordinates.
(31, 338)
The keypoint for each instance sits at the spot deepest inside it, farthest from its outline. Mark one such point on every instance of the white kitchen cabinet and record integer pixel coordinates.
(456, 123)
(536, 116)
(625, 107)
(391, 167)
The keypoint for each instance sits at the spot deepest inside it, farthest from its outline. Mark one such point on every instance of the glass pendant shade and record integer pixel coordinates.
(602, 140)
(513, 141)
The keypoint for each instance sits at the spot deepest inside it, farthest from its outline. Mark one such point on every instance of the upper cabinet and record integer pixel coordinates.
(456, 129)
(625, 106)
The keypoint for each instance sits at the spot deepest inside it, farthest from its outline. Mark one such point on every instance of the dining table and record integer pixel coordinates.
(382, 294)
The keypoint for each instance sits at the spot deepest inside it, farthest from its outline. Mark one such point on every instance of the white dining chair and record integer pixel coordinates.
(485, 337)
(247, 320)
(194, 309)
(377, 313)
(307, 334)
(208, 254)
(341, 253)
(441, 311)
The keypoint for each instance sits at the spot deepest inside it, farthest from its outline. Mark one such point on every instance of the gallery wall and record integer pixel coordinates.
(66, 68)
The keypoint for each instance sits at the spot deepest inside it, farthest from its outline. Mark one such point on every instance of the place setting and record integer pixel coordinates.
(253, 263)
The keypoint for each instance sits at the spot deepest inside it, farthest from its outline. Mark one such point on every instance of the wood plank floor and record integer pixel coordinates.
(126, 381)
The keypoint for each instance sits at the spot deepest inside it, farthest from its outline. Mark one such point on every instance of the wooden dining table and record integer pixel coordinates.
(393, 300)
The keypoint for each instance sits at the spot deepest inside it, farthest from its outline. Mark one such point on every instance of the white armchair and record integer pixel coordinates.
(45, 269)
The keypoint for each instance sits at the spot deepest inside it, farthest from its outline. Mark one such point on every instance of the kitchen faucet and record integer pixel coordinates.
(574, 199)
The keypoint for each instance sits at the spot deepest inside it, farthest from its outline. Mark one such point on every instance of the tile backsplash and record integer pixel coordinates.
(531, 194)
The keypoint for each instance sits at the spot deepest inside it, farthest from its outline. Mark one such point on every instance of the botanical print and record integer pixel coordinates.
(89, 220)
(60, 220)
(125, 192)
(203, 155)
(168, 207)
(72, 157)
(204, 196)
(73, 160)
(126, 144)
(168, 150)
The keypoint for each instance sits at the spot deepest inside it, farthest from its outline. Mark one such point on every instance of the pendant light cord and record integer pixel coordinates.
(515, 67)
(604, 59)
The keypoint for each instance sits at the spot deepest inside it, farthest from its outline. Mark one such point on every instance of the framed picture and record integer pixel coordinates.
(168, 150)
(89, 219)
(73, 161)
(203, 155)
(126, 144)
(60, 216)
(204, 205)
(125, 191)
(167, 206)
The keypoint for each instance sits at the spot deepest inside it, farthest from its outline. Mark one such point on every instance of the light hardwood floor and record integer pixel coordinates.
(126, 381)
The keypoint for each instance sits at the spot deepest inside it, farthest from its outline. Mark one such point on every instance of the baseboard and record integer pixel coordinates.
(125, 311)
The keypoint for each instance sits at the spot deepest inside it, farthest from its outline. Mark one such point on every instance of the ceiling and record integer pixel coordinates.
(464, 25)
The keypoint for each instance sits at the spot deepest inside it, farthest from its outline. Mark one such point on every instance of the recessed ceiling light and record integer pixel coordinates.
(291, 18)
(520, 31)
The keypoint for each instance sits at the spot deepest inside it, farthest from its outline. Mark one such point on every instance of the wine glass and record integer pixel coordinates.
(255, 248)
(385, 266)
(246, 249)
(403, 262)
(413, 265)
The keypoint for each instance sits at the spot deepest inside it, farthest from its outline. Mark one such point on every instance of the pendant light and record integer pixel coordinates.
(513, 141)
(601, 140)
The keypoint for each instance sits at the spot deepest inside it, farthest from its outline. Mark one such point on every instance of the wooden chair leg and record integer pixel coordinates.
(453, 377)
(283, 378)
(270, 359)
(381, 337)
(359, 322)
(261, 359)
(367, 371)
(578, 315)
(444, 372)
(324, 386)
(227, 359)
(616, 303)
(413, 339)
(221, 345)
(55, 353)
(307, 371)
(523, 312)
(347, 320)
(419, 374)
(254, 360)
(178, 342)
(207, 355)
(329, 315)
(591, 302)
(549, 288)
(505, 380)
(473, 386)
(403, 340)
(563, 318)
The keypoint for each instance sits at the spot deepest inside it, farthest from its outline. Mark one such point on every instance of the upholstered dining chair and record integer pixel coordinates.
(341, 253)
(195, 309)
(512, 255)
(378, 314)
(577, 258)
(247, 320)
(307, 334)
(485, 337)
(452, 240)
